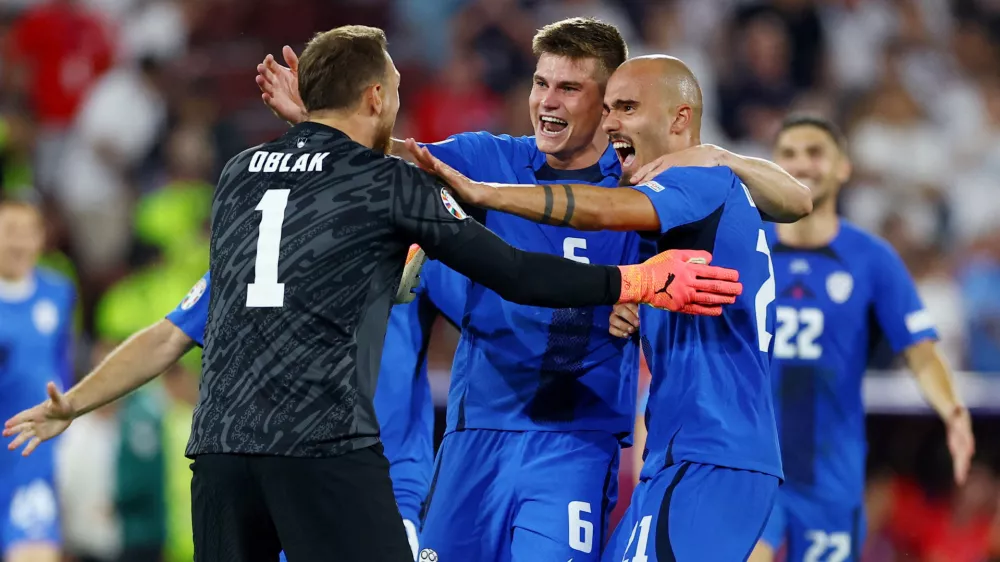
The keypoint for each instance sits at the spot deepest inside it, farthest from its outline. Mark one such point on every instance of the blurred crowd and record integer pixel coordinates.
(116, 116)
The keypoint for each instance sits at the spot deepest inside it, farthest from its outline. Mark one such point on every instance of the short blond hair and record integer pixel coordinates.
(582, 38)
(337, 65)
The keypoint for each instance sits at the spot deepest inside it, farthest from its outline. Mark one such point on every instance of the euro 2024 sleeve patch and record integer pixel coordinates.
(194, 295)
(452, 206)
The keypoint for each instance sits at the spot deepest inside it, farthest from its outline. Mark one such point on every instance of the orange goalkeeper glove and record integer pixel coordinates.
(680, 281)
(415, 258)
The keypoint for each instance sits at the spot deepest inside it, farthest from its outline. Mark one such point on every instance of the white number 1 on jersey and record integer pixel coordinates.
(265, 291)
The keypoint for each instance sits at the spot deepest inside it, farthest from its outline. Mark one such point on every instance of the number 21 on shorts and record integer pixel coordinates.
(641, 543)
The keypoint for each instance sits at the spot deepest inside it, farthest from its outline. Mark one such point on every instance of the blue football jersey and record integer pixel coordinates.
(710, 392)
(530, 368)
(36, 337)
(403, 401)
(833, 304)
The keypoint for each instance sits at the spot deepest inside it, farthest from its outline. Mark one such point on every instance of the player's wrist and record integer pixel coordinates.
(486, 195)
(73, 407)
(633, 284)
(956, 413)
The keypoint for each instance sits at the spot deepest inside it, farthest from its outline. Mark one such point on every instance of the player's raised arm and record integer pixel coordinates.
(132, 364)
(678, 281)
(584, 207)
(279, 87)
(779, 196)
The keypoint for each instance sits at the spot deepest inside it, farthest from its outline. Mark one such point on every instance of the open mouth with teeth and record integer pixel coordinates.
(625, 151)
(552, 126)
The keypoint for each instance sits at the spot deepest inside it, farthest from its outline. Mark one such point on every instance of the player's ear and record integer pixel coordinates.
(375, 98)
(844, 169)
(682, 120)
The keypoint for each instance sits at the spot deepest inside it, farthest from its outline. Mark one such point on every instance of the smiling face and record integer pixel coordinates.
(565, 104)
(812, 156)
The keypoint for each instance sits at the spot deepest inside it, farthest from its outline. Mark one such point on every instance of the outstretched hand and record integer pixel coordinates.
(40, 423)
(279, 86)
(681, 281)
(468, 191)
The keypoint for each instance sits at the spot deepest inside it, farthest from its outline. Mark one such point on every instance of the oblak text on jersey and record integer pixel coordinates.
(268, 162)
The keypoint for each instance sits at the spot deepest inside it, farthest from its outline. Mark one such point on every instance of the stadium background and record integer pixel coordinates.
(122, 135)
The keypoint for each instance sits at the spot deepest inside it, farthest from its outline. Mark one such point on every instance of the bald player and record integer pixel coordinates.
(712, 466)
(36, 308)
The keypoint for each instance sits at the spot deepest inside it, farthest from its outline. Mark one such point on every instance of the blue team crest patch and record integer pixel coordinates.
(45, 316)
(452, 205)
(194, 295)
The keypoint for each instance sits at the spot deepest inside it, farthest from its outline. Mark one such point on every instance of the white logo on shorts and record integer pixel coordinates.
(428, 555)
(33, 509)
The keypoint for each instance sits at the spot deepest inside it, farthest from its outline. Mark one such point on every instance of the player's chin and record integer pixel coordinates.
(552, 143)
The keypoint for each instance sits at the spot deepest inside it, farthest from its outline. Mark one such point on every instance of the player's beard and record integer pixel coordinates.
(383, 138)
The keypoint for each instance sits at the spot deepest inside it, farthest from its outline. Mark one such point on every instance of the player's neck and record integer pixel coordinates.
(683, 141)
(814, 231)
(16, 289)
(359, 130)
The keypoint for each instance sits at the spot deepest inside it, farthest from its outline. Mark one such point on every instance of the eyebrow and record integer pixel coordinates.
(807, 148)
(562, 83)
(617, 104)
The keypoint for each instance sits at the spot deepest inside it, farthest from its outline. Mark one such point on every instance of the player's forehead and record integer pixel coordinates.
(624, 86)
(19, 215)
(804, 137)
(391, 70)
(557, 68)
